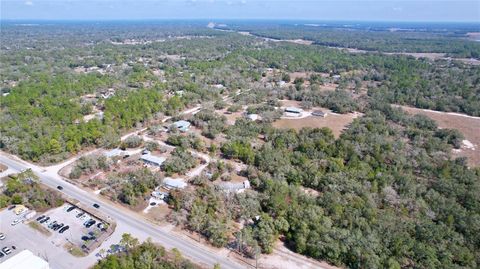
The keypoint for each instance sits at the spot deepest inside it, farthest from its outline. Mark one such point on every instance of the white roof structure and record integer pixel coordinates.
(24, 260)
(152, 159)
(293, 110)
(114, 153)
(174, 183)
(253, 117)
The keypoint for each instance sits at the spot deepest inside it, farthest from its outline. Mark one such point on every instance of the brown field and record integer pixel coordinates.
(336, 122)
(468, 126)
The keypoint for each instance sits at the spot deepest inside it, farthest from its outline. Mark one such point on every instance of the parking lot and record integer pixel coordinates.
(83, 228)
(51, 245)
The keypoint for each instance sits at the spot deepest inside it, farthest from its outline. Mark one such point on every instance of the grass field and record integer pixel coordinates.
(336, 122)
(467, 125)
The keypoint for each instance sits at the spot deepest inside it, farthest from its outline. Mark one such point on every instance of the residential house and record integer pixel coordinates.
(152, 160)
(174, 183)
(293, 111)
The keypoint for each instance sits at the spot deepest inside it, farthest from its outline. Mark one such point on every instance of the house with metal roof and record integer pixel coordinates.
(293, 111)
(115, 153)
(152, 159)
(234, 187)
(182, 125)
(174, 183)
(319, 113)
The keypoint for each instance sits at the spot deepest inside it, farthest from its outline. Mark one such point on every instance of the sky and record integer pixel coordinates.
(321, 10)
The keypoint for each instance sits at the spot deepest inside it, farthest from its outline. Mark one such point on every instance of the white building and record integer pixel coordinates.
(174, 183)
(115, 153)
(24, 260)
(153, 160)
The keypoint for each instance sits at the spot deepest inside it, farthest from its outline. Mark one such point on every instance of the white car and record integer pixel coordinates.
(2, 236)
(17, 221)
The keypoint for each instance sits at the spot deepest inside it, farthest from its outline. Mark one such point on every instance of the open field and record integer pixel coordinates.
(336, 122)
(469, 126)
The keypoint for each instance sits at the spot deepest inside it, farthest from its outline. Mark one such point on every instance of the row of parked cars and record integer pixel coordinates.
(54, 225)
(5, 250)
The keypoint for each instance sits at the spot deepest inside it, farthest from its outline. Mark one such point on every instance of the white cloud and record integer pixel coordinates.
(29, 3)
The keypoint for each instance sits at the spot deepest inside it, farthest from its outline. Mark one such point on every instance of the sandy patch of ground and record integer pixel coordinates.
(469, 126)
(283, 258)
(336, 122)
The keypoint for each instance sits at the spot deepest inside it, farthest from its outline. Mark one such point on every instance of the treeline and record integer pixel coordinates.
(144, 255)
(24, 188)
(383, 41)
(42, 120)
(441, 85)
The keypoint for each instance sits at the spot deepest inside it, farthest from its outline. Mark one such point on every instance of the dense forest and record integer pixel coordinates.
(389, 173)
(386, 193)
(442, 40)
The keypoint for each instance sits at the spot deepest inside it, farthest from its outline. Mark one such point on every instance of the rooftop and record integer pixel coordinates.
(293, 109)
(153, 159)
(114, 153)
(24, 260)
(176, 183)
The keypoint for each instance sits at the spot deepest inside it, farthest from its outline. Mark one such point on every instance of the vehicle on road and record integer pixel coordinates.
(15, 222)
(96, 205)
(2, 236)
(44, 220)
(6, 250)
(11, 207)
(59, 187)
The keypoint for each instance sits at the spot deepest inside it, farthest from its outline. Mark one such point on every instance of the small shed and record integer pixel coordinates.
(319, 113)
(182, 125)
(253, 117)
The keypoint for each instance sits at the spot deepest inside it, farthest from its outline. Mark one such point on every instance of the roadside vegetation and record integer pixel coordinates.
(24, 188)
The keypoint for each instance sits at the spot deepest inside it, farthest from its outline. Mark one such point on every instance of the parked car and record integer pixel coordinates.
(53, 223)
(6, 250)
(80, 214)
(11, 207)
(40, 218)
(71, 208)
(64, 229)
(1, 255)
(2, 236)
(60, 187)
(58, 226)
(96, 205)
(90, 223)
(45, 220)
(15, 222)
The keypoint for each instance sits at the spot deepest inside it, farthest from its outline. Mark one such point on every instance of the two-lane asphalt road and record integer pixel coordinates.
(193, 250)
